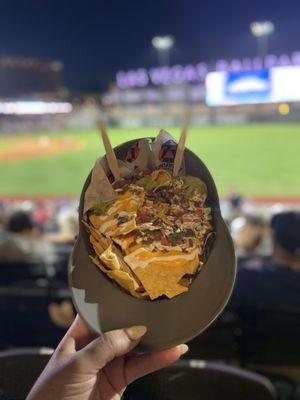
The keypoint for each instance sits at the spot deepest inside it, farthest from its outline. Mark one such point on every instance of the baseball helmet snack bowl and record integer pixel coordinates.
(104, 306)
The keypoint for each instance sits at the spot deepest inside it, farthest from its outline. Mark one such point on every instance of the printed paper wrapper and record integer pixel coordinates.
(145, 154)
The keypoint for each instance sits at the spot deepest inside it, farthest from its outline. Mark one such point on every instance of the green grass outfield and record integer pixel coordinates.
(259, 160)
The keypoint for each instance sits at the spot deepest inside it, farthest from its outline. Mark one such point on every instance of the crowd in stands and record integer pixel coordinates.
(32, 230)
(53, 219)
(36, 240)
(37, 231)
(269, 266)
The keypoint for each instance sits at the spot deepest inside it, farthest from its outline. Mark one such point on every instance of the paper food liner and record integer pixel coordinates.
(141, 156)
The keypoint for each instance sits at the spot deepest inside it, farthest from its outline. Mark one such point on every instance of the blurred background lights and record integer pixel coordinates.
(284, 109)
(262, 28)
(163, 45)
(35, 107)
(163, 42)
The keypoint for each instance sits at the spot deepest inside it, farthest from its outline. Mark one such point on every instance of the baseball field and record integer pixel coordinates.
(258, 160)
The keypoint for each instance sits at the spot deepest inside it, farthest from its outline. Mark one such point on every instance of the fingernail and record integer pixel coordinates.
(136, 332)
(183, 348)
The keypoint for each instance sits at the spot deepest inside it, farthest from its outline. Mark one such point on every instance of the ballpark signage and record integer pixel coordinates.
(178, 74)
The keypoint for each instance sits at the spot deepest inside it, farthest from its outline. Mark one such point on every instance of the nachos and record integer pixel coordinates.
(152, 238)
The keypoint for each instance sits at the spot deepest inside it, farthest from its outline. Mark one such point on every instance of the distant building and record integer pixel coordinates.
(28, 76)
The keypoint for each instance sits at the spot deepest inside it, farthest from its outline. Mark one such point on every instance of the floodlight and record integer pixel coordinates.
(262, 28)
(163, 42)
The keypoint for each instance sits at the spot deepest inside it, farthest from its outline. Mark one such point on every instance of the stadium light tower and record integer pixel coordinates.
(262, 30)
(163, 45)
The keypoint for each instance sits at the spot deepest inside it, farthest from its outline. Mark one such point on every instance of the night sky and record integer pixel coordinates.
(96, 38)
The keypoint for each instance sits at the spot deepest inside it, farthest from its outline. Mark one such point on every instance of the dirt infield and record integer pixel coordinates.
(28, 148)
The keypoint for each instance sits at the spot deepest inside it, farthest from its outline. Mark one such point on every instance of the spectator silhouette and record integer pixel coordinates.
(21, 241)
(278, 282)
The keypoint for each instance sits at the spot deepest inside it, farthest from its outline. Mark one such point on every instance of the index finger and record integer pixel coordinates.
(80, 332)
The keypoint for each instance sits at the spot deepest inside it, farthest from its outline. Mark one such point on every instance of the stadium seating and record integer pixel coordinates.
(24, 311)
(63, 252)
(12, 272)
(221, 341)
(191, 380)
(14, 369)
(267, 337)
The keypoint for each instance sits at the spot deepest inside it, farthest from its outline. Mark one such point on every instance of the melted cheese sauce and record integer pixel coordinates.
(128, 203)
(142, 257)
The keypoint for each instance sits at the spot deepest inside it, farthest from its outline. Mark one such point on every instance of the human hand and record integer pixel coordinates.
(85, 368)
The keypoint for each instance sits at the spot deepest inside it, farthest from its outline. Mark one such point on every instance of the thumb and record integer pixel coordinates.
(107, 347)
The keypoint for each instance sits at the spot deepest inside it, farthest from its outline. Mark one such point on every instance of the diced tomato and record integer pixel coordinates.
(178, 213)
(144, 216)
(199, 213)
(164, 240)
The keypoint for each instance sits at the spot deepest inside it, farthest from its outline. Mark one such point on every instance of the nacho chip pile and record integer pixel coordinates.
(151, 238)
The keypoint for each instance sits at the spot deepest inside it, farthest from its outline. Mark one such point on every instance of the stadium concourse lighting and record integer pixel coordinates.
(262, 30)
(163, 45)
(34, 107)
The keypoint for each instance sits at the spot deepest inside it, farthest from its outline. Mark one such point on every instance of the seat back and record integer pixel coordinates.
(24, 316)
(270, 335)
(220, 342)
(12, 272)
(200, 380)
(19, 369)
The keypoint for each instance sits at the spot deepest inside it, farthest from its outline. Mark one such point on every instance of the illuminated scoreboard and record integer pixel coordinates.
(273, 85)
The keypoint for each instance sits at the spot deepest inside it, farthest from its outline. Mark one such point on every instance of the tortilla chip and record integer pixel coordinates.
(97, 246)
(85, 223)
(127, 243)
(103, 240)
(109, 258)
(105, 224)
(113, 260)
(128, 202)
(160, 279)
(161, 177)
(160, 272)
(97, 236)
(174, 257)
(124, 228)
(95, 220)
(99, 264)
(122, 278)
